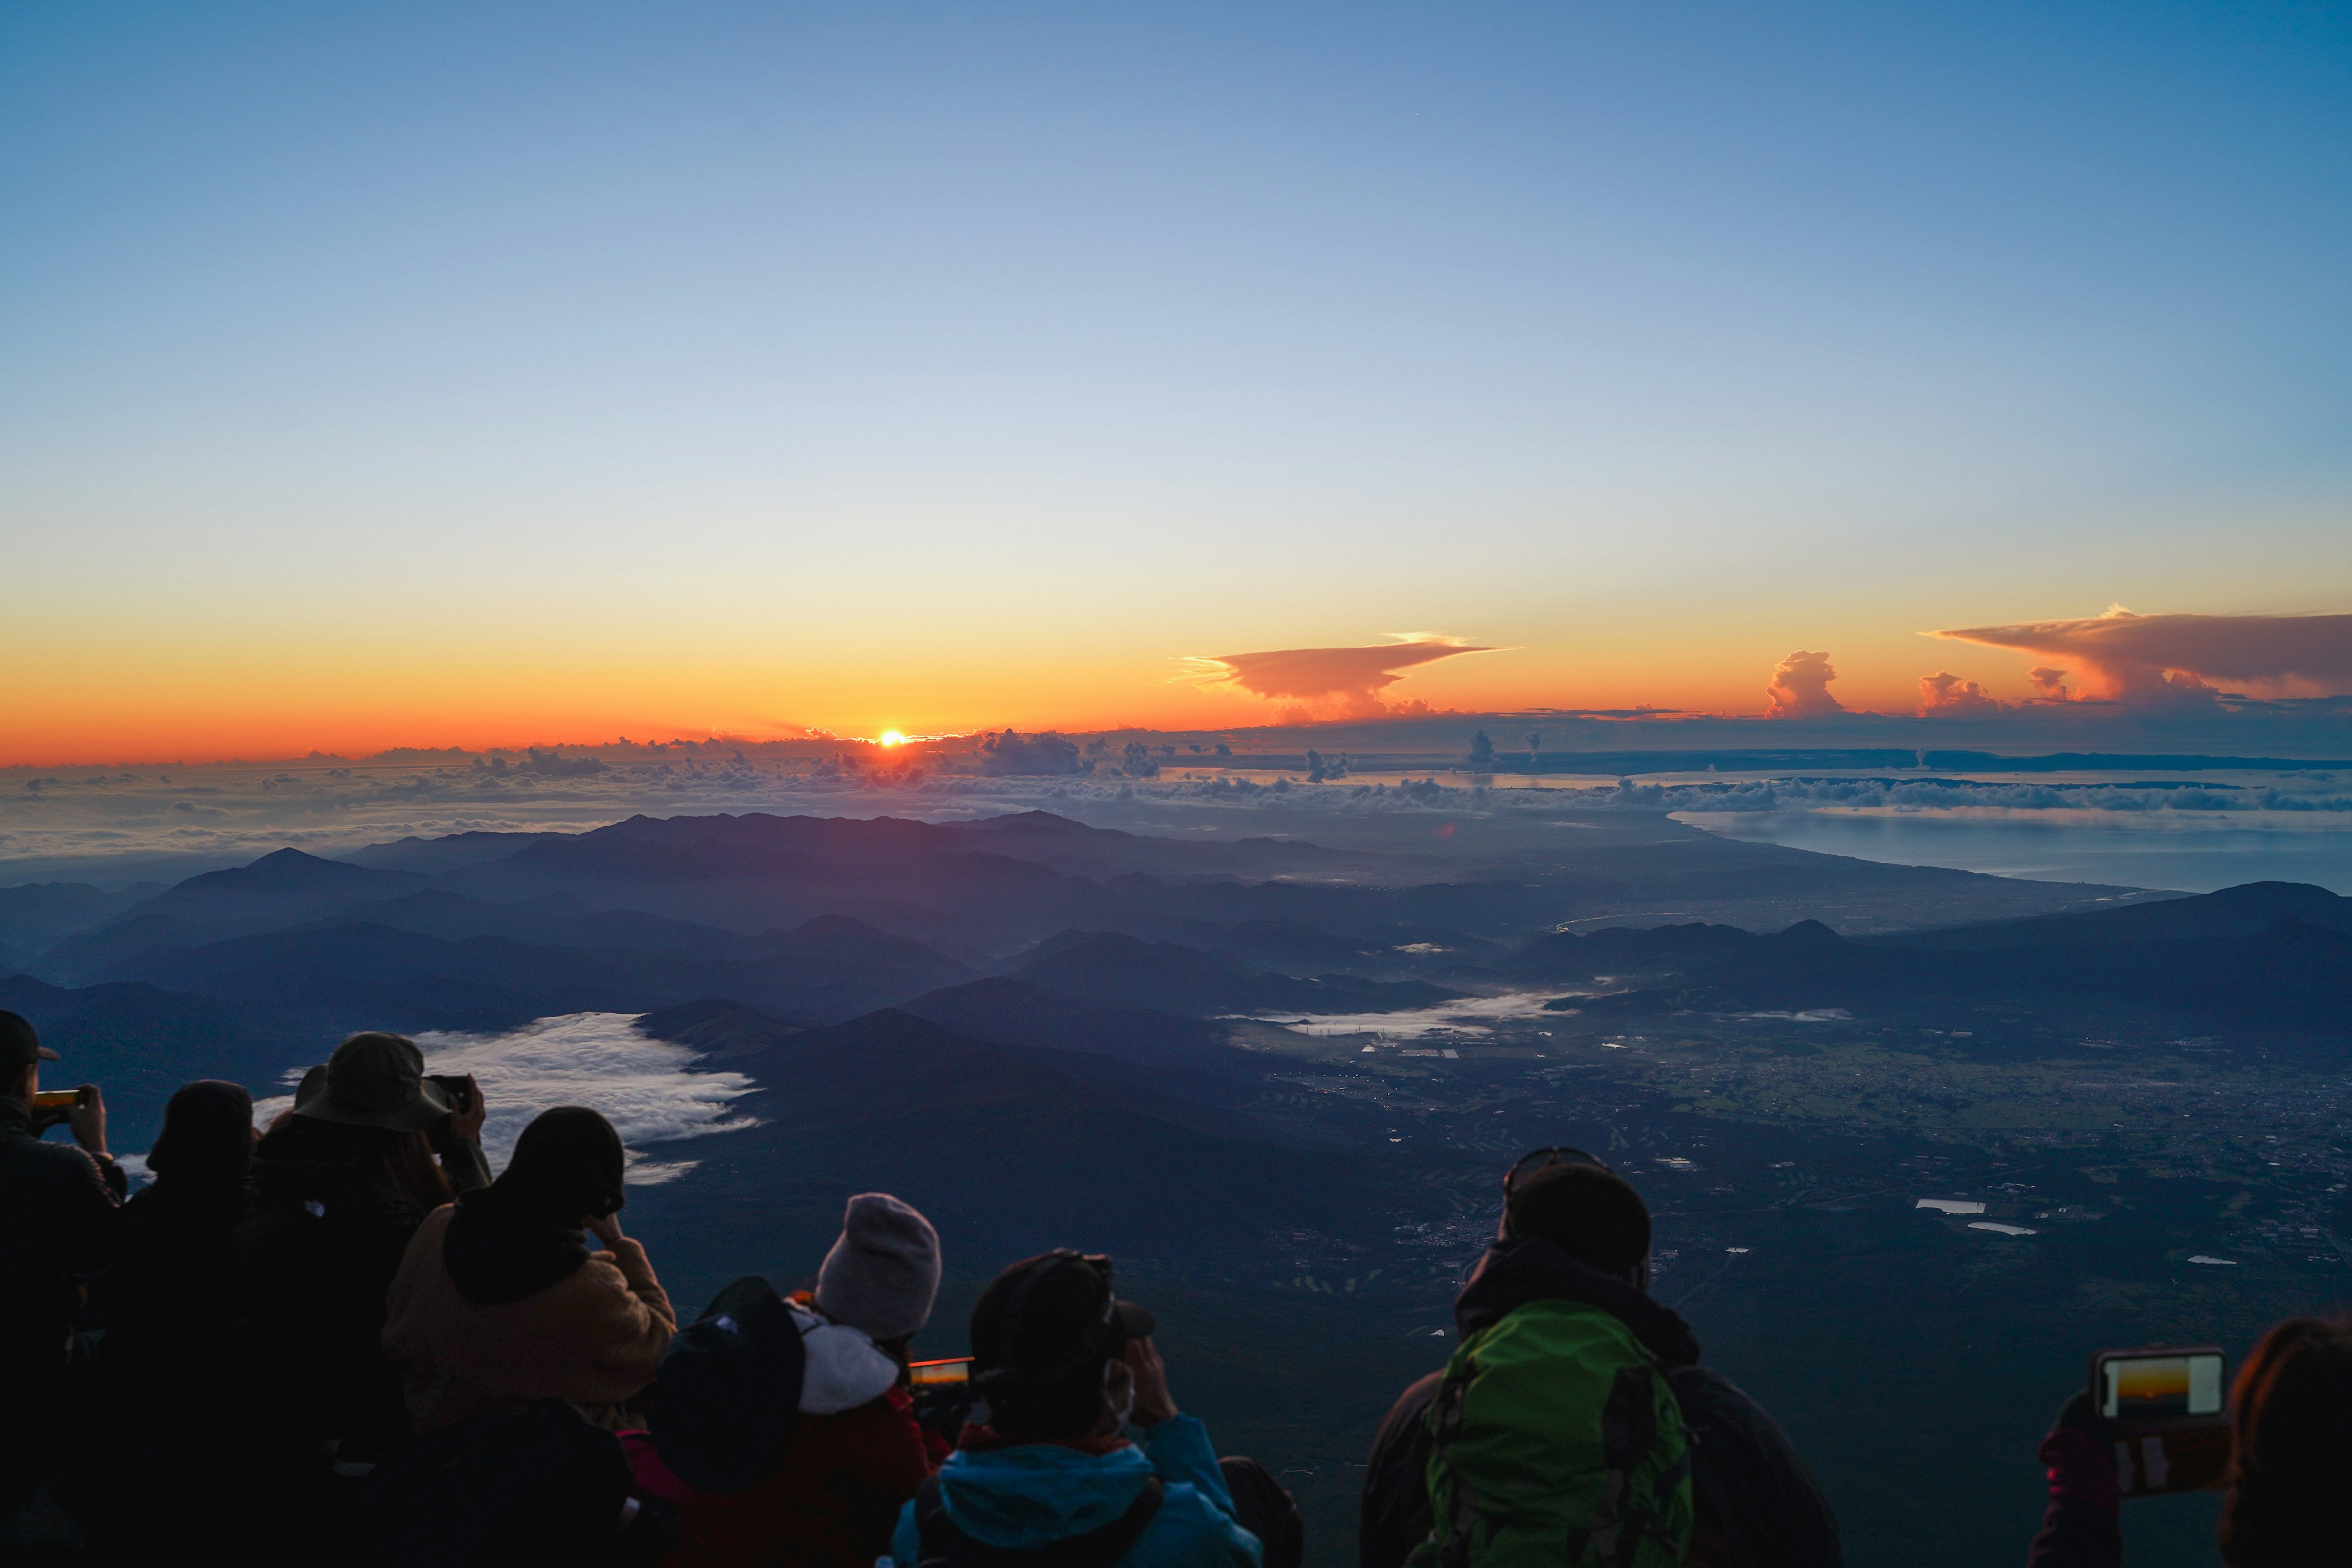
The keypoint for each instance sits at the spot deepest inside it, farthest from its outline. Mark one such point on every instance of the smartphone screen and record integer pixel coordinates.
(55, 1099)
(938, 1373)
(2160, 1386)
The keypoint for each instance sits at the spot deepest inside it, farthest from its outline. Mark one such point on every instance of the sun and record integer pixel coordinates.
(892, 737)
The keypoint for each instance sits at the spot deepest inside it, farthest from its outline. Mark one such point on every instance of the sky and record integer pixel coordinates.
(438, 374)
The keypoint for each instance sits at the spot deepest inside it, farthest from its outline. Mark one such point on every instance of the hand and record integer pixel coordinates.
(1153, 1404)
(606, 1228)
(467, 1124)
(87, 1119)
(2080, 1456)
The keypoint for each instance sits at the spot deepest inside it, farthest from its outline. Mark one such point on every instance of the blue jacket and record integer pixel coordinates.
(1035, 1494)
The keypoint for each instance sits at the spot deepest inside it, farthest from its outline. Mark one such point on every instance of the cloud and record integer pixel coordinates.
(1012, 754)
(1945, 693)
(1800, 687)
(646, 1088)
(1349, 680)
(2149, 658)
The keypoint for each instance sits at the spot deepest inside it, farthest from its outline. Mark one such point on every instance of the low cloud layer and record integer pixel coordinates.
(2128, 657)
(1801, 687)
(646, 1088)
(1348, 681)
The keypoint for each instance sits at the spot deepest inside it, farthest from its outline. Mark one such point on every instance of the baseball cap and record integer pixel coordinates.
(20, 1048)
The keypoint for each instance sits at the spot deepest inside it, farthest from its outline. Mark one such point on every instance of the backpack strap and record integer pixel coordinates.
(947, 1546)
(1451, 1535)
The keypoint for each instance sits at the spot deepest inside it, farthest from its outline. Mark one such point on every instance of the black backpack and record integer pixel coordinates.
(945, 1546)
(535, 1489)
(727, 1395)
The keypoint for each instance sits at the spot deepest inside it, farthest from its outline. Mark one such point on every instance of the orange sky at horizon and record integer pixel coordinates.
(211, 703)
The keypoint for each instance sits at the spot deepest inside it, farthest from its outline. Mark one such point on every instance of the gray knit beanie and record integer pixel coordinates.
(882, 1274)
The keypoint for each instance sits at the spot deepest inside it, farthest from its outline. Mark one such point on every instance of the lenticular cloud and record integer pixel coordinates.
(645, 1086)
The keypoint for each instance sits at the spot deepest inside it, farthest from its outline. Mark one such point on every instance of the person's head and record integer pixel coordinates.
(1048, 1343)
(1569, 1198)
(2291, 1430)
(566, 1169)
(21, 1055)
(373, 1079)
(883, 1273)
(208, 1136)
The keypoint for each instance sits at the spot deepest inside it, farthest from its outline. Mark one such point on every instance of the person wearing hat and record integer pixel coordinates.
(779, 1452)
(526, 1289)
(1575, 1231)
(1068, 1370)
(59, 1208)
(339, 1184)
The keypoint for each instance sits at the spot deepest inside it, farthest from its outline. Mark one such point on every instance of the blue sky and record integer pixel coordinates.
(981, 362)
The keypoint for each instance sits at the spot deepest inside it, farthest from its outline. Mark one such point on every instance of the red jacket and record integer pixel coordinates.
(830, 1499)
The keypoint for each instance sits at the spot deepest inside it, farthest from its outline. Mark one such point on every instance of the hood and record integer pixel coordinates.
(841, 1369)
(495, 1256)
(1521, 1269)
(1033, 1494)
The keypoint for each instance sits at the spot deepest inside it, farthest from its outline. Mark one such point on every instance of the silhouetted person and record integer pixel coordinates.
(339, 1184)
(59, 1208)
(1066, 1368)
(1575, 1231)
(166, 1298)
(2290, 1465)
(526, 1289)
(827, 1493)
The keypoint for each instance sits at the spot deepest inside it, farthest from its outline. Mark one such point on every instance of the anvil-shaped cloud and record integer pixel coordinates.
(1349, 680)
(2140, 658)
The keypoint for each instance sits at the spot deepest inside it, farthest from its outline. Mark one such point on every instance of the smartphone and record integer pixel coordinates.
(461, 1099)
(55, 1099)
(2169, 1404)
(956, 1371)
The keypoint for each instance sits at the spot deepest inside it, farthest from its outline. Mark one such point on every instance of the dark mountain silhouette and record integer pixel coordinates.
(721, 1030)
(1188, 1057)
(285, 885)
(139, 1043)
(434, 857)
(39, 913)
(2288, 974)
(1101, 853)
(1122, 971)
(2238, 911)
(362, 974)
(1009, 1154)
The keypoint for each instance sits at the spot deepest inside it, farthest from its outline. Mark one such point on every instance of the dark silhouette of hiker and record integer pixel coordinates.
(1066, 1368)
(526, 1289)
(2290, 1467)
(339, 1184)
(818, 1482)
(59, 1208)
(1718, 1483)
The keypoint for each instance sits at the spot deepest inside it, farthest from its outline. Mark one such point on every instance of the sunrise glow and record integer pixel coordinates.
(892, 737)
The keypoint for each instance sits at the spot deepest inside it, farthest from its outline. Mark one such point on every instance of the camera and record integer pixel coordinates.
(2167, 1406)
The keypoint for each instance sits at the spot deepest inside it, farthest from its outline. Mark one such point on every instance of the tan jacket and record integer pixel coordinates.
(593, 1338)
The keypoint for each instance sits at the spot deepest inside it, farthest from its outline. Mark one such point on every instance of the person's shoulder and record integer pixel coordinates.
(42, 1160)
(1190, 1527)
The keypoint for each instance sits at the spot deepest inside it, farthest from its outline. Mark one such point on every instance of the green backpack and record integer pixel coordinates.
(1554, 1442)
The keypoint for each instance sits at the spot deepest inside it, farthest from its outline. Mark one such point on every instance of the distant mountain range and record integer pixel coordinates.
(1109, 959)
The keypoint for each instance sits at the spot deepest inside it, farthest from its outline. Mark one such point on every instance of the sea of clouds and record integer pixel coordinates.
(649, 1090)
(114, 826)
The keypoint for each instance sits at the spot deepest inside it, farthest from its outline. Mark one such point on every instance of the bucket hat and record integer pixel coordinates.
(374, 1080)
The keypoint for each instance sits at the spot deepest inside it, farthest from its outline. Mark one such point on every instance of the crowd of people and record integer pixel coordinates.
(339, 1339)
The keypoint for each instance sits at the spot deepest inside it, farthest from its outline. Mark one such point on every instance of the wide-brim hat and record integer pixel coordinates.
(374, 1080)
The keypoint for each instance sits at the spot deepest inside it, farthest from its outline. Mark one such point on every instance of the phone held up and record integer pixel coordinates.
(461, 1098)
(941, 1391)
(2170, 1409)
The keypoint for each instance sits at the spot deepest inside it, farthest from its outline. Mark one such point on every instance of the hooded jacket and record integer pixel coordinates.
(593, 1338)
(1758, 1504)
(1031, 1494)
(59, 1208)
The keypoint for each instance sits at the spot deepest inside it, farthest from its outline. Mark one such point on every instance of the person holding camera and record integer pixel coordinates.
(1067, 1369)
(526, 1289)
(339, 1184)
(2289, 1461)
(59, 1208)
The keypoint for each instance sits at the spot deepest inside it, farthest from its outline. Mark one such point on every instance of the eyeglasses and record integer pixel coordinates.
(1534, 1160)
